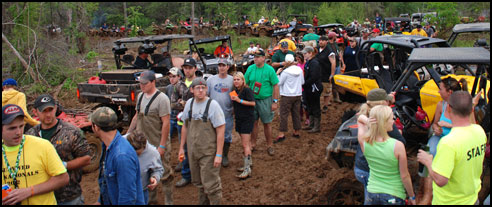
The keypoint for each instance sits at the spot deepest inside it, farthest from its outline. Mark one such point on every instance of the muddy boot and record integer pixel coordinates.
(225, 152)
(247, 168)
(336, 97)
(215, 197)
(167, 188)
(427, 197)
(241, 169)
(202, 197)
(178, 167)
(316, 127)
(311, 123)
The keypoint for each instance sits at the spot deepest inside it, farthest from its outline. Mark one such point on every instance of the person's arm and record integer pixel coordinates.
(437, 129)
(21, 101)
(133, 124)
(80, 151)
(401, 155)
(157, 172)
(426, 159)
(220, 144)
(164, 133)
(275, 95)
(362, 123)
(18, 195)
(126, 167)
(333, 65)
(79, 162)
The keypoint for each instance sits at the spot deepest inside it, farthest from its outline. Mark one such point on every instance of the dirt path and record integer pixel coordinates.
(297, 174)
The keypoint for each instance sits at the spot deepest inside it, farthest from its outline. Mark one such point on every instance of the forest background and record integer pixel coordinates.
(43, 64)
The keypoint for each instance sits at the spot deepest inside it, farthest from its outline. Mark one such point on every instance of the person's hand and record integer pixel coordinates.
(181, 154)
(444, 124)
(217, 161)
(437, 130)
(274, 106)
(424, 157)
(235, 98)
(476, 98)
(153, 183)
(412, 202)
(393, 94)
(16, 196)
(161, 151)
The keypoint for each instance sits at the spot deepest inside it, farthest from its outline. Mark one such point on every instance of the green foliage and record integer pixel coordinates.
(446, 12)
(91, 55)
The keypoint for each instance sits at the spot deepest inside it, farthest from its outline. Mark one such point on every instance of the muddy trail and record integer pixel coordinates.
(298, 173)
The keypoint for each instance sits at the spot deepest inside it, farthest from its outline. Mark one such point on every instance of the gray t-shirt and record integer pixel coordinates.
(215, 114)
(160, 105)
(219, 89)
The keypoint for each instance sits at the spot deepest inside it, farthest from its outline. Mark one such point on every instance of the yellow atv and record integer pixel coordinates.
(354, 85)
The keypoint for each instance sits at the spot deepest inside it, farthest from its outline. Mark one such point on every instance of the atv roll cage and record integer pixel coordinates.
(468, 28)
(210, 62)
(320, 30)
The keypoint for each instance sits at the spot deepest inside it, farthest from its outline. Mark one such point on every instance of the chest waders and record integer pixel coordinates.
(201, 141)
(151, 126)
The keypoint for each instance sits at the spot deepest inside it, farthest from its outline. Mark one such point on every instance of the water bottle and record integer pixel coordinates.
(423, 172)
(99, 65)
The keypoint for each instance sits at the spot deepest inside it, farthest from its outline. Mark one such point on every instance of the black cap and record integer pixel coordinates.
(419, 26)
(44, 101)
(190, 62)
(260, 53)
(324, 37)
(10, 112)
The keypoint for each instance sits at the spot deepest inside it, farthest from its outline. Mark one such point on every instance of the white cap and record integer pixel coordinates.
(289, 58)
(288, 35)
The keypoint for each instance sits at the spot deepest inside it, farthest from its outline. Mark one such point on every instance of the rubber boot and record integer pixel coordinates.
(241, 169)
(225, 152)
(178, 167)
(336, 96)
(316, 127)
(167, 187)
(311, 123)
(215, 197)
(427, 197)
(247, 168)
(202, 197)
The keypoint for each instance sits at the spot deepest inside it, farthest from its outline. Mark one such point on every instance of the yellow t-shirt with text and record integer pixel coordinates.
(38, 163)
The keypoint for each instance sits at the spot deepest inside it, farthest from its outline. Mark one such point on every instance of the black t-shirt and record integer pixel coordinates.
(325, 63)
(141, 63)
(242, 111)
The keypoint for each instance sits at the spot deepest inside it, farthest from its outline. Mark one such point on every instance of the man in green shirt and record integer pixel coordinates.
(378, 47)
(278, 59)
(311, 39)
(457, 167)
(263, 80)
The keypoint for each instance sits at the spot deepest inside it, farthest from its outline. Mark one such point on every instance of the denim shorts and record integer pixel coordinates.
(382, 199)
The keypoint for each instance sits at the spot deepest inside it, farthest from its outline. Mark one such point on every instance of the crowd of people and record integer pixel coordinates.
(44, 165)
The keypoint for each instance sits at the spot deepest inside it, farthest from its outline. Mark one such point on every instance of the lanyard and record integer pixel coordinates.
(14, 173)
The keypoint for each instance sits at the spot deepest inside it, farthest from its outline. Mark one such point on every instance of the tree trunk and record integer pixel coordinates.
(126, 16)
(24, 63)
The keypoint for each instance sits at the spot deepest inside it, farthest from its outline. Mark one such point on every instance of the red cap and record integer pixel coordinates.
(375, 30)
(332, 35)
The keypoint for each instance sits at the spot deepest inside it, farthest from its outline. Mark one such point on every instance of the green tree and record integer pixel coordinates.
(446, 15)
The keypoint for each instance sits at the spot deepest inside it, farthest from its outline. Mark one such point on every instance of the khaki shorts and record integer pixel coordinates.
(326, 89)
(263, 110)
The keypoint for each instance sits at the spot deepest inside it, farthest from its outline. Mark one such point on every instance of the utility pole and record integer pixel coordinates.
(193, 18)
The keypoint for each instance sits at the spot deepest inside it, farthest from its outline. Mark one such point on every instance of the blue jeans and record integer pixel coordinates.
(175, 126)
(77, 201)
(432, 143)
(228, 129)
(185, 169)
(337, 70)
(382, 199)
(363, 177)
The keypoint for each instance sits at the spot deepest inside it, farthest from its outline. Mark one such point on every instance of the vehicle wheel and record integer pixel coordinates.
(410, 114)
(183, 31)
(205, 31)
(348, 114)
(263, 33)
(346, 192)
(249, 32)
(95, 151)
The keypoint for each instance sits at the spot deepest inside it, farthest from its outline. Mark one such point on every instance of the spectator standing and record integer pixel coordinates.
(244, 109)
(419, 31)
(290, 83)
(204, 132)
(313, 88)
(315, 21)
(32, 182)
(375, 97)
(261, 78)
(176, 91)
(349, 57)
(327, 62)
(367, 23)
(333, 46)
(152, 117)
(388, 172)
(301, 63)
(150, 162)
(278, 59)
(442, 125)
(378, 20)
(311, 39)
(429, 30)
(223, 50)
(70, 144)
(219, 86)
(12, 96)
(119, 175)
(288, 39)
(457, 167)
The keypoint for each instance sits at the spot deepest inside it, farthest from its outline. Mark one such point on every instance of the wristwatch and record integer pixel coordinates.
(275, 100)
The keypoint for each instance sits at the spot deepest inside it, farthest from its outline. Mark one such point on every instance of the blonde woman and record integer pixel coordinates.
(387, 158)
(244, 106)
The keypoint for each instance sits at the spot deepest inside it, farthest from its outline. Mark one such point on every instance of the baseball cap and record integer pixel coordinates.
(190, 62)
(288, 35)
(224, 61)
(9, 81)
(260, 53)
(10, 112)
(289, 58)
(104, 117)
(332, 35)
(307, 49)
(324, 37)
(251, 43)
(44, 101)
(284, 44)
(378, 94)
(366, 31)
(147, 76)
(174, 71)
(419, 26)
(198, 81)
(375, 30)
